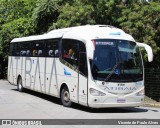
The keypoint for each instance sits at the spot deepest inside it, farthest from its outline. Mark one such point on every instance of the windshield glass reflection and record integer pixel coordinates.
(116, 61)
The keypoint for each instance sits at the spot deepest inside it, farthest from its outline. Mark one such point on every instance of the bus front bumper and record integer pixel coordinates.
(99, 102)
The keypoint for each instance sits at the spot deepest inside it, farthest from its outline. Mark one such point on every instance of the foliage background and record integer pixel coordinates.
(20, 18)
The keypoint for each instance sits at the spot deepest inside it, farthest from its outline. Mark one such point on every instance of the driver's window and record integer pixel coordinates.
(70, 51)
(83, 60)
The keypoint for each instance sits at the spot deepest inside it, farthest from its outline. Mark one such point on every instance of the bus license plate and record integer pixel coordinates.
(121, 100)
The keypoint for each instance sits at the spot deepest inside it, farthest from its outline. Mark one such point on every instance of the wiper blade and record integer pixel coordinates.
(112, 71)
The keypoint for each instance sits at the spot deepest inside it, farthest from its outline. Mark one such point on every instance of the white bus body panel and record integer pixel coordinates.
(71, 80)
(83, 90)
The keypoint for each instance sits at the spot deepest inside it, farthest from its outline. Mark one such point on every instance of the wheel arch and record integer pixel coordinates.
(62, 86)
(19, 76)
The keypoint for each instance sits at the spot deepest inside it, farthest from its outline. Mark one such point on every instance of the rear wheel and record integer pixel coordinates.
(65, 97)
(19, 85)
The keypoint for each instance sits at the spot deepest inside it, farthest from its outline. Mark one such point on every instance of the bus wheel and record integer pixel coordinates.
(65, 97)
(19, 85)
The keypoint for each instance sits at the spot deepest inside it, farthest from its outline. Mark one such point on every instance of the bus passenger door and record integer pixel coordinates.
(83, 79)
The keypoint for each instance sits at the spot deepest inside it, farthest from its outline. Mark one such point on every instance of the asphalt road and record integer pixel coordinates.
(33, 105)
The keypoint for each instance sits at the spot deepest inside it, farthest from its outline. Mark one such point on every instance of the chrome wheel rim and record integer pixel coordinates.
(66, 96)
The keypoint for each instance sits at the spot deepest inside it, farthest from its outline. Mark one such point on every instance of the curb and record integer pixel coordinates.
(157, 105)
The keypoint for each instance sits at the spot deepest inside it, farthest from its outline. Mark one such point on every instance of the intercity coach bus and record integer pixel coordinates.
(98, 66)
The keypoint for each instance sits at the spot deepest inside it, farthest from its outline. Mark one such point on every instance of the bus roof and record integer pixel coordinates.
(81, 33)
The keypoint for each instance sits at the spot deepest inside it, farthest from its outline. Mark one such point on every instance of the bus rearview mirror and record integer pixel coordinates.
(148, 50)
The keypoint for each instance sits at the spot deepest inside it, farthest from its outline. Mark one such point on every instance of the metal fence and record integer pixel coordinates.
(152, 84)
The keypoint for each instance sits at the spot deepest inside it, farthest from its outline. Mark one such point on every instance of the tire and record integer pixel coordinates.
(19, 85)
(65, 97)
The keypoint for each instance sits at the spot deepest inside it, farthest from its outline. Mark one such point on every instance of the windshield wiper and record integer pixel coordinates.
(112, 71)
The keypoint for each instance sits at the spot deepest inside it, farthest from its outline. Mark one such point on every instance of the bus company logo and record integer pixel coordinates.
(66, 72)
(121, 88)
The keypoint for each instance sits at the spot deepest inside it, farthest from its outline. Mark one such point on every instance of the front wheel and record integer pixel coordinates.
(19, 85)
(65, 97)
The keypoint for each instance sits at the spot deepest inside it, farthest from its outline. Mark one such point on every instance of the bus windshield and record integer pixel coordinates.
(116, 61)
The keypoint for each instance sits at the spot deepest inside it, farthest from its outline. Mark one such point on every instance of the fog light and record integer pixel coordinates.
(95, 92)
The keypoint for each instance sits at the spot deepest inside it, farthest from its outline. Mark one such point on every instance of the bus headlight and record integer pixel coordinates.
(140, 93)
(95, 92)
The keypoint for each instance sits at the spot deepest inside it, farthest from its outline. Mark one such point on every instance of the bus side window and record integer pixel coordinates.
(70, 51)
(25, 46)
(17, 49)
(11, 51)
(52, 48)
(38, 48)
(50, 53)
(23, 53)
(28, 53)
(34, 52)
(40, 53)
(83, 60)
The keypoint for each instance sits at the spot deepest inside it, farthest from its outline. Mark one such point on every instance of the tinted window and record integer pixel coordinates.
(38, 49)
(74, 52)
(11, 51)
(17, 49)
(52, 48)
(116, 61)
(20, 49)
(83, 60)
(70, 51)
(25, 49)
(83, 64)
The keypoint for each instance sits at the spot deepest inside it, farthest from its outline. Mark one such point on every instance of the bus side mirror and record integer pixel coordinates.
(148, 50)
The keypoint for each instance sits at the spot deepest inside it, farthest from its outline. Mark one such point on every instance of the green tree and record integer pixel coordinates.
(142, 21)
(45, 13)
(74, 15)
(15, 21)
(81, 12)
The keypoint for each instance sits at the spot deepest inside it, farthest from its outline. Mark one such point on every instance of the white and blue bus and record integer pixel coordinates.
(97, 66)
